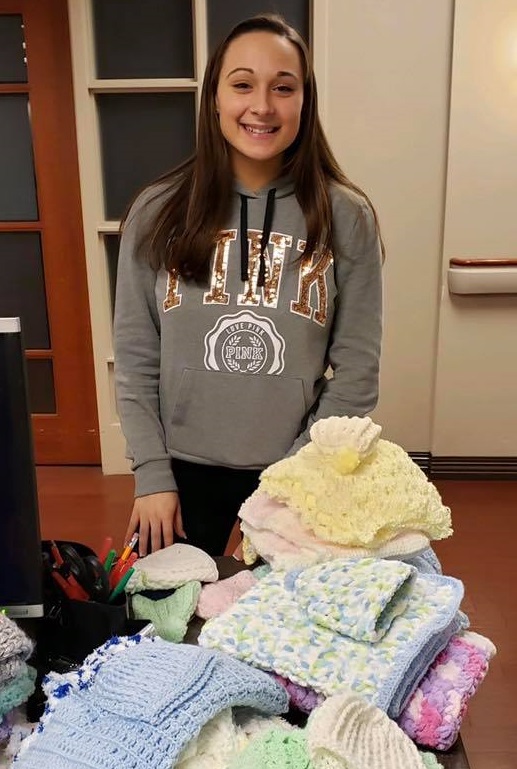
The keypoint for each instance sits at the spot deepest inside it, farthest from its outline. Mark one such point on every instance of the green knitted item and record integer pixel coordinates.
(430, 761)
(171, 615)
(275, 749)
(18, 690)
(261, 571)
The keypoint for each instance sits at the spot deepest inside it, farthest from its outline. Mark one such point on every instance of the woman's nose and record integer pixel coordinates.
(261, 103)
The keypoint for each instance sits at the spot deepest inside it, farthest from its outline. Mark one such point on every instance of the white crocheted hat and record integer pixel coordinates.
(172, 567)
(345, 731)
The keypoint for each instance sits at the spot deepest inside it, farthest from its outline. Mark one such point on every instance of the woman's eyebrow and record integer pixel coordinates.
(280, 73)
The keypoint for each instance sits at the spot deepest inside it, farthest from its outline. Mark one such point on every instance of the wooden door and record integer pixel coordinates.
(42, 261)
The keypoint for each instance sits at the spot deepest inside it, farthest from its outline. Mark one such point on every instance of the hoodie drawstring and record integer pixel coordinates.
(266, 232)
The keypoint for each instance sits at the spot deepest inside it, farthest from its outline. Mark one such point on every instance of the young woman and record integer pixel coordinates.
(243, 275)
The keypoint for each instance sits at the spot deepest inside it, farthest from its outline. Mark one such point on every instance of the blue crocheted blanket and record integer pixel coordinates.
(300, 625)
(135, 703)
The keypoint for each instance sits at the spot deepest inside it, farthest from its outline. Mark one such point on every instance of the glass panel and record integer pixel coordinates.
(13, 64)
(40, 376)
(138, 38)
(112, 245)
(17, 183)
(22, 288)
(142, 136)
(222, 15)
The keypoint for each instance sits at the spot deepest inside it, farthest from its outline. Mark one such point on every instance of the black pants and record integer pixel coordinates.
(210, 499)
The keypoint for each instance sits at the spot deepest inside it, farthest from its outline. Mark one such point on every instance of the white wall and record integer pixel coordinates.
(476, 387)
(444, 185)
(385, 107)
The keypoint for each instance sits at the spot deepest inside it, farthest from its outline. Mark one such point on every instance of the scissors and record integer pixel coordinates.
(86, 571)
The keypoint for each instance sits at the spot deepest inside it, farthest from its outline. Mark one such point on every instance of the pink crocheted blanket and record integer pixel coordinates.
(436, 709)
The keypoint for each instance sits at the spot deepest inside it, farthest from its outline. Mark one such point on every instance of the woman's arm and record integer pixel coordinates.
(355, 341)
(156, 511)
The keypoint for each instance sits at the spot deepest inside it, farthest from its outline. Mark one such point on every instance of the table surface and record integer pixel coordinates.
(456, 758)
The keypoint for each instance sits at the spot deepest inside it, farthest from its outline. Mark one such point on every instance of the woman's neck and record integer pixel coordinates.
(255, 175)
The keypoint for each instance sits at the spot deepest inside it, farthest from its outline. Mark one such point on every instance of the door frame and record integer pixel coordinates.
(71, 435)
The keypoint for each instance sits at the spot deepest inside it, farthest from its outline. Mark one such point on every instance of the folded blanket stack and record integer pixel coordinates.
(16, 677)
(372, 626)
(345, 494)
(435, 711)
(275, 532)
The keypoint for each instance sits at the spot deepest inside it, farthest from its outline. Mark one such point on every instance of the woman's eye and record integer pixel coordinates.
(284, 88)
(241, 86)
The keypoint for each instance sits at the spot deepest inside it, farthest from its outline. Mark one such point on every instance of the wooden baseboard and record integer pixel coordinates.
(472, 468)
(423, 460)
(466, 468)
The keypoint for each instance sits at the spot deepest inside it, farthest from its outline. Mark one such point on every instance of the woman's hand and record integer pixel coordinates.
(156, 517)
(237, 553)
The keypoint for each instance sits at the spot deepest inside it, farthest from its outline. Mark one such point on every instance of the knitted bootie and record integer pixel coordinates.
(346, 731)
(172, 567)
(218, 597)
(170, 616)
(275, 749)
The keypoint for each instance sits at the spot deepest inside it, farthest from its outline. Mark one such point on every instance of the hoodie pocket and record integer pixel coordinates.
(233, 420)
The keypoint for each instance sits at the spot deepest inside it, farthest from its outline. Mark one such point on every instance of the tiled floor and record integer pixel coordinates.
(82, 504)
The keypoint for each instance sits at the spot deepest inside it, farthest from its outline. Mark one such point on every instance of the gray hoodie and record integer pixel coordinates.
(233, 373)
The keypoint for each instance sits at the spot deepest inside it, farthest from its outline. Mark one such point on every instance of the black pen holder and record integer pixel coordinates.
(71, 628)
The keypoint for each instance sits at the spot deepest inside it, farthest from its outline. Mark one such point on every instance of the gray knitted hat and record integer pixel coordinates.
(15, 648)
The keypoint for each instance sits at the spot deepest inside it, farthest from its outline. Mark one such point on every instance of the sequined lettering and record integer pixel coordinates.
(313, 272)
(172, 298)
(217, 293)
(274, 267)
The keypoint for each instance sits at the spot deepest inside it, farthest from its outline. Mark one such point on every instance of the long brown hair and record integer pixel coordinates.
(198, 192)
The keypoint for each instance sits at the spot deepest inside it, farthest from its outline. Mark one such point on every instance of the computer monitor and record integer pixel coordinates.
(20, 542)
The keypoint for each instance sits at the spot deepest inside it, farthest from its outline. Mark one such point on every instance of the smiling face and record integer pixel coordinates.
(259, 100)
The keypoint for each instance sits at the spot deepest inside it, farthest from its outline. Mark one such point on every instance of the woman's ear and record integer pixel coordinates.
(216, 104)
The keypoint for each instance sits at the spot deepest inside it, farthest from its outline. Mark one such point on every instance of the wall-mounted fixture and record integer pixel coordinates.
(482, 276)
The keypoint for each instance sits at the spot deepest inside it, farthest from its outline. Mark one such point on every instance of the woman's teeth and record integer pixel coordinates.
(253, 130)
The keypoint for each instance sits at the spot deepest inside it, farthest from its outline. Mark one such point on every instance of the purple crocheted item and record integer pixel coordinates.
(435, 711)
(300, 697)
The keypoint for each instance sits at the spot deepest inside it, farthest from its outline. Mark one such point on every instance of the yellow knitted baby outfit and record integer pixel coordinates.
(354, 492)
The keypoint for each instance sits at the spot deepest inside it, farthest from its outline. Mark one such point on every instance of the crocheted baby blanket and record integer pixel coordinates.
(277, 534)
(386, 493)
(136, 703)
(436, 709)
(269, 627)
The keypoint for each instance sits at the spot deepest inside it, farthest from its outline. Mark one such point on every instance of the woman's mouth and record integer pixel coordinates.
(259, 130)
